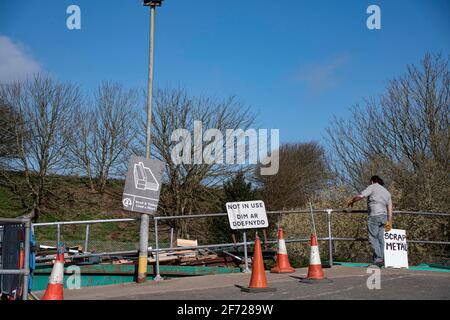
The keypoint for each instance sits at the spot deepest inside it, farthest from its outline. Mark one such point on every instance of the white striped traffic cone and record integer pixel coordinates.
(315, 271)
(282, 263)
(55, 286)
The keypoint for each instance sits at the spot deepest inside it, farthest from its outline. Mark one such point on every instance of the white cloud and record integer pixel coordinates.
(323, 76)
(15, 62)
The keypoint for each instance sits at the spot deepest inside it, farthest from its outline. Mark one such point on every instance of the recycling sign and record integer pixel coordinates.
(142, 185)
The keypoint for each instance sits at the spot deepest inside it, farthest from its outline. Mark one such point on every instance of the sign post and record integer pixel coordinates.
(141, 194)
(246, 270)
(247, 215)
(395, 249)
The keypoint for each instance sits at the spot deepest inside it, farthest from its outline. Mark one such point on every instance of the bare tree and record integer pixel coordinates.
(189, 184)
(403, 135)
(43, 109)
(8, 147)
(104, 134)
(303, 172)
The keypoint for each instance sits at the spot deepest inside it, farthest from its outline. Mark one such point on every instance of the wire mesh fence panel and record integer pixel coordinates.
(110, 237)
(349, 232)
(350, 226)
(428, 254)
(352, 251)
(46, 235)
(1, 250)
(299, 226)
(428, 228)
(101, 237)
(299, 254)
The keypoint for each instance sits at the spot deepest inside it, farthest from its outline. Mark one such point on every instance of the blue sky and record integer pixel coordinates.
(297, 63)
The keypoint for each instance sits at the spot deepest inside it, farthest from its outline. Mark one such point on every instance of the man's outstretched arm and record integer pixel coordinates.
(354, 199)
(390, 210)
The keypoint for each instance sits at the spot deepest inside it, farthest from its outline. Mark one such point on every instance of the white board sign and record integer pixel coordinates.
(247, 215)
(395, 249)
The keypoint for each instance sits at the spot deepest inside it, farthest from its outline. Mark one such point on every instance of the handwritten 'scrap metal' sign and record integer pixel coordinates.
(143, 185)
(247, 215)
(395, 249)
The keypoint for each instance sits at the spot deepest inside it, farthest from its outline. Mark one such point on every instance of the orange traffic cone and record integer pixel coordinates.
(283, 265)
(315, 271)
(258, 280)
(55, 286)
(21, 264)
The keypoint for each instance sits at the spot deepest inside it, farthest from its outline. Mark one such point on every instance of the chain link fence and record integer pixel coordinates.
(94, 237)
(428, 236)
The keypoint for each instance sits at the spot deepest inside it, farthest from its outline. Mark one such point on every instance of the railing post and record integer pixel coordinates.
(330, 239)
(58, 235)
(86, 239)
(157, 276)
(26, 260)
(171, 237)
(246, 270)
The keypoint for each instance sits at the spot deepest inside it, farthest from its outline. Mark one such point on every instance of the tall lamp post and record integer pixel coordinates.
(143, 234)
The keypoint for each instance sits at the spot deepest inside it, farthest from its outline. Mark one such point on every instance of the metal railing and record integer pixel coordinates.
(25, 272)
(159, 219)
(329, 238)
(88, 223)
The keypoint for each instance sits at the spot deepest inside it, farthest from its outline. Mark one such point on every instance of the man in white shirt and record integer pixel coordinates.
(379, 205)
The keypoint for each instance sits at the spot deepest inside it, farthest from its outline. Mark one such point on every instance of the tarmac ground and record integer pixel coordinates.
(346, 283)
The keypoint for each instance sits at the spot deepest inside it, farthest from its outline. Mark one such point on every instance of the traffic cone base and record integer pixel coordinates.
(54, 292)
(315, 271)
(258, 279)
(313, 281)
(282, 262)
(282, 270)
(256, 290)
(55, 288)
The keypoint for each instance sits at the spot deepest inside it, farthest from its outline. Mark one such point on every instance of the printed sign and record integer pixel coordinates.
(395, 249)
(247, 215)
(143, 185)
